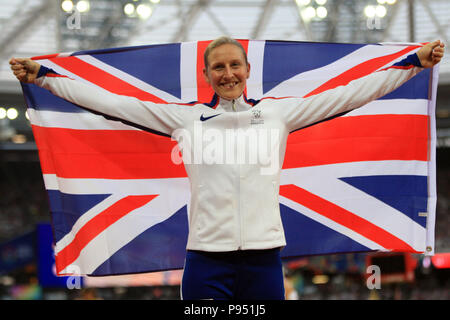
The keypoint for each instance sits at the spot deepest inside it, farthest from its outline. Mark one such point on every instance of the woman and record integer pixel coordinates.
(233, 249)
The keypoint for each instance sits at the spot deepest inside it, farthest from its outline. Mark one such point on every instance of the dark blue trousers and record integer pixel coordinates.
(236, 275)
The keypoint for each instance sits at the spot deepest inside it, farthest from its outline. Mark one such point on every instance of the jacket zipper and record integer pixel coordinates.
(238, 198)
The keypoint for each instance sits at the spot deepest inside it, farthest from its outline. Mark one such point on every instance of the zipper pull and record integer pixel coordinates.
(234, 105)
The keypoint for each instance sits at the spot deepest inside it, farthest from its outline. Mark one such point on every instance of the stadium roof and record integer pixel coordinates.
(37, 27)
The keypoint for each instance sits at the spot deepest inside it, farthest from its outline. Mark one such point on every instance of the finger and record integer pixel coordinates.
(21, 75)
(16, 67)
(435, 43)
(27, 63)
(16, 60)
(21, 61)
(437, 55)
(31, 65)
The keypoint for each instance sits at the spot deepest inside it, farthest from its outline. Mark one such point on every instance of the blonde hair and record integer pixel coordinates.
(219, 42)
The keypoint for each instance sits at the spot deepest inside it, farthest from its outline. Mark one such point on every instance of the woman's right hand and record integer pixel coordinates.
(25, 69)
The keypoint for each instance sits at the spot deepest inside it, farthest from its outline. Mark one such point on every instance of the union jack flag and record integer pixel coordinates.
(362, 181)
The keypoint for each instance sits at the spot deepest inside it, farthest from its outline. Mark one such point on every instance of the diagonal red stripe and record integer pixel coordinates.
(46, 56)
(359, 71)
(345, 218)
(97, 225)
(103, 79)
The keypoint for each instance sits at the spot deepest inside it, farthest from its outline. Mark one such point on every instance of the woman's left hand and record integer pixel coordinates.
(431, 53)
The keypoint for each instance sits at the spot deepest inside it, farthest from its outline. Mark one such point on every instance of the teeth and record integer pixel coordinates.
(229, 85)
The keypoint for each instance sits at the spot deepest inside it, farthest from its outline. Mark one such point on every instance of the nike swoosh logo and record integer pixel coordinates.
(202, 118)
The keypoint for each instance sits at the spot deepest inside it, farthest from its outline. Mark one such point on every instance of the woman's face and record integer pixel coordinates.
(227, 71)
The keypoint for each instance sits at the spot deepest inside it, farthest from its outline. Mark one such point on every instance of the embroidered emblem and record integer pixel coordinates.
(256, 117)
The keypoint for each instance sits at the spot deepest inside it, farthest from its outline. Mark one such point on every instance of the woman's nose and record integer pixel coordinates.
(228, 72)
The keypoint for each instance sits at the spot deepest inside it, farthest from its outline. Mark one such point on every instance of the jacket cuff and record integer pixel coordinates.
(43, 71)
(415, 60)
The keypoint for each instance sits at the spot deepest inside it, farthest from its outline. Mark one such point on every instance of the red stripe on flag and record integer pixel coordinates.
(44, 57)
(204, 90)
(97, 225)
(103, 79)
(106, 154)
(359, 71)
(345, 218)
(55, 75)
(137, 154)
(359, 138)
(44, 151)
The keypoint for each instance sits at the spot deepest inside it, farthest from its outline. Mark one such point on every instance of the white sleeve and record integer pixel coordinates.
(164, 118)
(300, 112)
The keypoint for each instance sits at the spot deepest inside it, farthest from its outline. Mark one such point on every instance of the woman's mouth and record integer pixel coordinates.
(229, 85)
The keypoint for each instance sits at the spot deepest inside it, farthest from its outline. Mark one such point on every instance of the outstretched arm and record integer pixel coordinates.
(163, 118)
(361, 91)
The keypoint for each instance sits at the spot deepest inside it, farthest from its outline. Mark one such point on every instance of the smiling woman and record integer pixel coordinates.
(235, 228)
(226, 68)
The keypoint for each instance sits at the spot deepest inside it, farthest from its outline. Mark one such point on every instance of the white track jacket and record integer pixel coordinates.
(233, 151)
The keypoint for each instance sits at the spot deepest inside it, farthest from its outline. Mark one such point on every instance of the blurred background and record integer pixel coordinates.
(38, 27)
